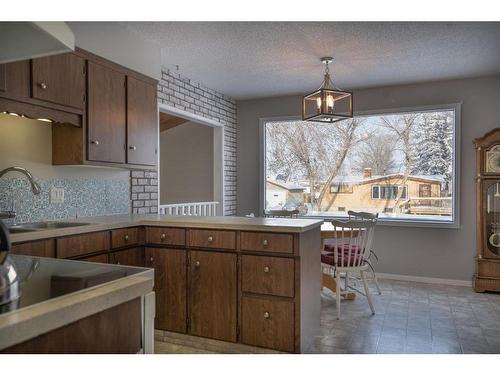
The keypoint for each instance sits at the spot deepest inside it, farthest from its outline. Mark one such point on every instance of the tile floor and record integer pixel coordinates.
(410, 318)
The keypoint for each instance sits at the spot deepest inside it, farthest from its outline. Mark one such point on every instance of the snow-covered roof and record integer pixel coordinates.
(288, 185)
(354, 180)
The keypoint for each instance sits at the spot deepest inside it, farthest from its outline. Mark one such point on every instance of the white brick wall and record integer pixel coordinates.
(182, 93)
(193, 97)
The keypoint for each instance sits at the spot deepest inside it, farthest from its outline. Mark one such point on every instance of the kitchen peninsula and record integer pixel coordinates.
(252, 281)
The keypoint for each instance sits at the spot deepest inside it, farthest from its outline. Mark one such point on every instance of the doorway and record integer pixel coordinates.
(190, 160)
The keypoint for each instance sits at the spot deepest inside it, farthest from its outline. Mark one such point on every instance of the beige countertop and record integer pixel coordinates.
(99, 223)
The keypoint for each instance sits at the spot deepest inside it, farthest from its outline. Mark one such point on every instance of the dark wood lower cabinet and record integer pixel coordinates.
(170, 288)
(100, 258)
(116, 330)
(267, 322)
(213, 295)
(128, 257)
(42, 248)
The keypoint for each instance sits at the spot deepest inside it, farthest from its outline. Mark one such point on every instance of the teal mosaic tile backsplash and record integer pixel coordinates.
(82, 197)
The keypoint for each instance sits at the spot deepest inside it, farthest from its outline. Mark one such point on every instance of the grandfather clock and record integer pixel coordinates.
(487, 276)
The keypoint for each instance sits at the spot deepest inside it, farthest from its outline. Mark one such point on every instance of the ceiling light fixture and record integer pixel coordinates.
(328, 103)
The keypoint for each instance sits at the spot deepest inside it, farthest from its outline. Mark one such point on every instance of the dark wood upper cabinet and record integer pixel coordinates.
(15, 79)
(213, 295)
(59, 79)
(106, 114)
(142, 122)
(170, 288)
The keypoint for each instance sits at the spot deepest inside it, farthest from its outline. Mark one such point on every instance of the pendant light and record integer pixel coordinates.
(328, 103)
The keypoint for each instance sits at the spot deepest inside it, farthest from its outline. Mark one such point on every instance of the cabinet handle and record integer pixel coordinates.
(197, 264)
(265, 243)
(267, 315)
(132, 147)
(42, 85)
(94, 143)
(266, 269)
(163, 236)
(125, 237)
(210, 239)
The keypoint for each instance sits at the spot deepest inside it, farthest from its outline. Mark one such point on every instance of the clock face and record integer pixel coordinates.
(493, 160)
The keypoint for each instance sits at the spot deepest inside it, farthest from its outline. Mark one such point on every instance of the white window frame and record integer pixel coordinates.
(454, 223)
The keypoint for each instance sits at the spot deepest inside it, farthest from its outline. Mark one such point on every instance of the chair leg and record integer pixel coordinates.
(376, 283)
(367, 291)
(346, 285)
(337, 294)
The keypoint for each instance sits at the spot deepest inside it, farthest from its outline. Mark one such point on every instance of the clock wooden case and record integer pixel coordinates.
(487, 276)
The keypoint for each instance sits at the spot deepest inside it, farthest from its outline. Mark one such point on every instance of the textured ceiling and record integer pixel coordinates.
(259, 59)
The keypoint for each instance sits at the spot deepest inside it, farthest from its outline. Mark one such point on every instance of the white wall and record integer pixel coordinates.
(115, 42)
(426, 252)
(186, 164)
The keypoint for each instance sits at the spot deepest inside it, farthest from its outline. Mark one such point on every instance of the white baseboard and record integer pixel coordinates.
(428, 280)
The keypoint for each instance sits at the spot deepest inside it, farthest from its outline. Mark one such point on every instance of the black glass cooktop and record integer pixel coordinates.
(46, 278)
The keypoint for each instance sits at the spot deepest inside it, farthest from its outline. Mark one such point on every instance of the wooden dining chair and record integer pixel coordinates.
(372, 257)
(346, 253)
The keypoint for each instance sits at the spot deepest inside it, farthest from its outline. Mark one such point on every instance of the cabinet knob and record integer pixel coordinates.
(265, 243)
(266, 269)
(210, 239)
(94, 142)
(197, 263)
(42, 85)
(267, 315)
(132, 147)
(118, 263)
(125, 237)
(163, 236)
(151, 259)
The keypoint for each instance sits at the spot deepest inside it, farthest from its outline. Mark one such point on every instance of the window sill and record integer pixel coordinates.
(398, 222)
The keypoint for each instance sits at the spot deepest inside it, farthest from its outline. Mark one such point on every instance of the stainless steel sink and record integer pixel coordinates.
(45, 225)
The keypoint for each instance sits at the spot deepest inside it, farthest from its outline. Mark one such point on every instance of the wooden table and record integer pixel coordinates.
(329, 232)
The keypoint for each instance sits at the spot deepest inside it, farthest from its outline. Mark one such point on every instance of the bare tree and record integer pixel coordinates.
(376, 152)
(403, 127)
(311, 151)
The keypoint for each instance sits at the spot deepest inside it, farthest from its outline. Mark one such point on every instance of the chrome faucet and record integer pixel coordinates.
(35, 188)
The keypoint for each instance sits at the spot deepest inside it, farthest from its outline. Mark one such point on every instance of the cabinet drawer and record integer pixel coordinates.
(43, 248)
(124, 237)
(166, 236)
(268, 323)
(68, 247)
(267, 275)
(214, 239)
(267, 242)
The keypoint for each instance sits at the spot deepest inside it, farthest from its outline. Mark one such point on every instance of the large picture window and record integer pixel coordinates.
(400, 165)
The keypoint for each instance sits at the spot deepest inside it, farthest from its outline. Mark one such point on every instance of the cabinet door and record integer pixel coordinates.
(15, 78)
(212, 295)
(59, 79)
(101, 258)
(170, 288)
(106, 114)
(128, 257)
(142, 122)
